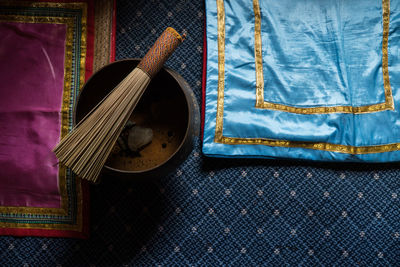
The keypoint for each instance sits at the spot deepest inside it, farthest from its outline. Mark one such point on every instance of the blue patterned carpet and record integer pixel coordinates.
(215, 212)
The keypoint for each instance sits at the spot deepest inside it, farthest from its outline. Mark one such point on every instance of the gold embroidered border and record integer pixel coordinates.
(221, 70)
(82, 6)
(312, 145)
(258, 55)
(219, 138)
(64, 227)
(103, 31)
(63, 210)
(260, 103)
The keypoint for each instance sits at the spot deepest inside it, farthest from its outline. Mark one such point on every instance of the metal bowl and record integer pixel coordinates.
(168, 107)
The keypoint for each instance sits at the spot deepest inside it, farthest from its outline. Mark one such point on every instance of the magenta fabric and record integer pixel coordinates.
(31, 88)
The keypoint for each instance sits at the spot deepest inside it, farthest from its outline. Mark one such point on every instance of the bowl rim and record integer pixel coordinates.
(175, 75)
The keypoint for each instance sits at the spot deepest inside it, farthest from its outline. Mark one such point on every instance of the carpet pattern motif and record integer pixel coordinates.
(216, 212)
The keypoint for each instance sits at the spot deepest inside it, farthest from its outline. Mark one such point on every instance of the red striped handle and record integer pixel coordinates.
(162, 49)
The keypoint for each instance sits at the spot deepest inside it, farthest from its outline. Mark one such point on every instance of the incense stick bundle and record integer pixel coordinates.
(86, 148)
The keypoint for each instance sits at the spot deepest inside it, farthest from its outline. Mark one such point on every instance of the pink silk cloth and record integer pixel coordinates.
(48, 49)
(31, 88)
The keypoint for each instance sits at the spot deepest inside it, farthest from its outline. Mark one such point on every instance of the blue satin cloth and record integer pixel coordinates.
(323, 68)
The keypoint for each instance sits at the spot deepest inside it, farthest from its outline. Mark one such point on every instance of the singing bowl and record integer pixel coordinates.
(168, 107)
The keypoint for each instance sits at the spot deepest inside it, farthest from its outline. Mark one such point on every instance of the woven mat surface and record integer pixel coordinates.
(215, 212)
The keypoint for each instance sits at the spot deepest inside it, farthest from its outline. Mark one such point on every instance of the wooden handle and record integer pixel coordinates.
(162, 49)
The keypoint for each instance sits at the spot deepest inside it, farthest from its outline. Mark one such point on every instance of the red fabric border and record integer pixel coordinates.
(89, 40)
(85, 186)
(42, 233)
(113, 32)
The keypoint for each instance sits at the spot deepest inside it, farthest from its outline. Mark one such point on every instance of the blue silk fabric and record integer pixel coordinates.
(327, 79)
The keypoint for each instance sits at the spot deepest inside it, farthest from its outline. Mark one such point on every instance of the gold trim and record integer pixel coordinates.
(65, 227)
(102, 33)
(258, 55)
(219, 138)
(63, 211)
(260, 103)
(312, 145)
(19, 4)
(221, 70)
